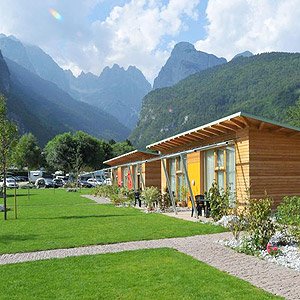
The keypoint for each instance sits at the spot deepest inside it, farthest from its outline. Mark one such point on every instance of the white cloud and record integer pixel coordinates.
(135, 31)
(132, 34)
(259, 26)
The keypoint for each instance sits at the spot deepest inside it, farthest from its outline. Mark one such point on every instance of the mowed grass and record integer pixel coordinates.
(58, 219)
(142, 274)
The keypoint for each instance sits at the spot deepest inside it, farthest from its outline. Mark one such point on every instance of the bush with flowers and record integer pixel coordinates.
(273, 250)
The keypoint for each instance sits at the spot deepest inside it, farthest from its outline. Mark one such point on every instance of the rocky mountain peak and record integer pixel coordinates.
(185, 60)
(244, 54)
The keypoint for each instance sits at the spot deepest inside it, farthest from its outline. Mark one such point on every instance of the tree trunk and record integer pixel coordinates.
(4, 189)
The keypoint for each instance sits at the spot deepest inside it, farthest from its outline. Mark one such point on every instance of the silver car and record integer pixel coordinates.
(10, 183)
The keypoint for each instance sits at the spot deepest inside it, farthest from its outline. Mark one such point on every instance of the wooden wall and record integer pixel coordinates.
(242, 174)
(153, 174)
(274, 164)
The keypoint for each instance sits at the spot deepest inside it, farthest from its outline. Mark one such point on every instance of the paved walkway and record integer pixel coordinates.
(99, 200)
(186, 215)
(268, 276)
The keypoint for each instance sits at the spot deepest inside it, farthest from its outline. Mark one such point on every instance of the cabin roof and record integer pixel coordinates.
(226, 125)
(130, 157)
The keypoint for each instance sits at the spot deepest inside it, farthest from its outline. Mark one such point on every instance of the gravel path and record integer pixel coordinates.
(97, 199)
(268, 276)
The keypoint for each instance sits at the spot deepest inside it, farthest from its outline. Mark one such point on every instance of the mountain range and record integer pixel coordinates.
(191, 89)
(41, 107)
(116, 91)
(266, 85)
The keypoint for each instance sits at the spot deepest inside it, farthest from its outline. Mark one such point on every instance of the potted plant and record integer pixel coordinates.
(151, 196)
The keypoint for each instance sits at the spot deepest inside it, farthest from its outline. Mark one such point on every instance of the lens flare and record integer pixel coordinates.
(55, 14)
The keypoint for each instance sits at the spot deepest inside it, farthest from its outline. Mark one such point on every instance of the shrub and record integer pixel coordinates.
(106, 191)
(288, 213)
(71, 185)
(236, 225)
(165, 200)
(259, 223)
(150, 195)
(237, 219)
(116, 199)
(183, 195)
(248, 246)
(219, 202)
(131, 197)
(273, 250)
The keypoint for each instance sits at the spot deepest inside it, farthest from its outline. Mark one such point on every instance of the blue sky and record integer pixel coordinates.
(194, 32)
(92, 34)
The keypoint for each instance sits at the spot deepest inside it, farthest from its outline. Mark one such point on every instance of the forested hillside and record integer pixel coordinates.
(266, 85)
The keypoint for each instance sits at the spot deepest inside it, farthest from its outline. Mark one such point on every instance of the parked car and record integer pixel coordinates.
(85, 183)
(58, 182)
(94, 182)
(44, 183)
(10, 183)
(21, 178)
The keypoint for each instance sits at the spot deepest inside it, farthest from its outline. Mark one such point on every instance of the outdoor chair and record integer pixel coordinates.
(202, 205)
(199, 204)
(137, 199)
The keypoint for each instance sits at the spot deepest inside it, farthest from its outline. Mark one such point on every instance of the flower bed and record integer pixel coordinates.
(287, 256)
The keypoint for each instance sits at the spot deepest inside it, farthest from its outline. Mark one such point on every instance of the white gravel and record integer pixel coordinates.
(289, 255)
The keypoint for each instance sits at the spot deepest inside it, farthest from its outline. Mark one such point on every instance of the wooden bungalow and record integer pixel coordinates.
(132, 170)
(250, 155)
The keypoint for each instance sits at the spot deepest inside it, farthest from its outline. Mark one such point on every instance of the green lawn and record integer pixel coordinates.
(50, 220)
(143, 274)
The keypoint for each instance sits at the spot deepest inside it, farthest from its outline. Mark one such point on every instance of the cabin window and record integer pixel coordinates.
(219, 165)
(230, 168)
(220, 168)
(181, 180)
(209, 167)
(176, 174)
(172, 174)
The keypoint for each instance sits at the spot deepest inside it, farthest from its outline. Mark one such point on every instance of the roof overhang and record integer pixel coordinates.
(227, 125)
(130, 157)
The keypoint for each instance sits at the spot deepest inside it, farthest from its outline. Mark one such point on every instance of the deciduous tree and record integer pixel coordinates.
(8, 135)
(27, 152)
(72, 152)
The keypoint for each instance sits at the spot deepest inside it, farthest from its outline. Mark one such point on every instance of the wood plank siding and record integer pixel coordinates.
(242, 165)
(153, 174)
(274, 164)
